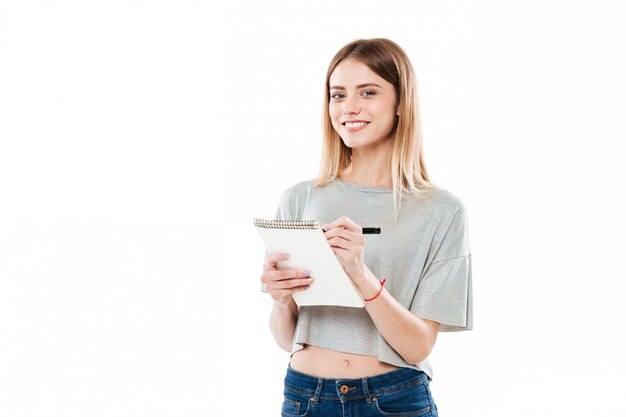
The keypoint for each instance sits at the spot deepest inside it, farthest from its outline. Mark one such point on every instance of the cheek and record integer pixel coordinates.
(335, 114)
(386, 113)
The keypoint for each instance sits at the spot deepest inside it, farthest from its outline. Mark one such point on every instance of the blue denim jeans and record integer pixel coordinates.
(404, 392)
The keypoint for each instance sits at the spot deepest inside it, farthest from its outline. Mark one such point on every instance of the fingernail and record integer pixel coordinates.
(305, 273)
(285, 256)
(324, 227)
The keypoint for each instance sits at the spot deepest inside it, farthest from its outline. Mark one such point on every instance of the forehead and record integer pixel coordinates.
(351, 72)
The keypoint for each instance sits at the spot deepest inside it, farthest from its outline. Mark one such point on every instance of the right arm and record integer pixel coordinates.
(283, 323)
(280, 284)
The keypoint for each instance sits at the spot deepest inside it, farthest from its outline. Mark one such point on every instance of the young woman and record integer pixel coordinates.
(415, 275)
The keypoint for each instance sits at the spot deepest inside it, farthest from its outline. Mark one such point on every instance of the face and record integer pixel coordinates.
(362, 105)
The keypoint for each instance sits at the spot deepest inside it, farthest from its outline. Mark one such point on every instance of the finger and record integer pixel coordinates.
(284, 293)
(345, 222)
(343, 233)
(300, 282)
(273, 259)
(286, 274)
(271, 276)
(340, 250)
(291, 283)
(277, 280)
(338, 243)
(356, 244)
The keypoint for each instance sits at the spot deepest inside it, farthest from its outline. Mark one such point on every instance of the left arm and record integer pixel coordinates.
(412, 337)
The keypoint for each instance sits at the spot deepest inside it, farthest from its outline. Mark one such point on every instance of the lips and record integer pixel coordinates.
(355, 125)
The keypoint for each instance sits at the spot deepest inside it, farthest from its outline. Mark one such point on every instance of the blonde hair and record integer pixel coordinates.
(408, 171)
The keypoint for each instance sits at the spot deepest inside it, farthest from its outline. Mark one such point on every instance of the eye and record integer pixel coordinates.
(369, 93)
(336, 96)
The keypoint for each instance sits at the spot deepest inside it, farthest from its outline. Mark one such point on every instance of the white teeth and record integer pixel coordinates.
(357, 124)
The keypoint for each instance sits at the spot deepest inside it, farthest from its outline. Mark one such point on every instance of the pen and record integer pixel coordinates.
(367, 230)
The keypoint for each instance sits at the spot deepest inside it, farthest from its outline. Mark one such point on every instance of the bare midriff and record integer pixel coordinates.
(326, 363)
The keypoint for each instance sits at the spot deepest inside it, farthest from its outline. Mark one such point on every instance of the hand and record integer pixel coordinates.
(280, 284)
(347, 241)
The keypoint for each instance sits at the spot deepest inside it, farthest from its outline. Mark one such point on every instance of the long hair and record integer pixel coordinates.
(408, 171)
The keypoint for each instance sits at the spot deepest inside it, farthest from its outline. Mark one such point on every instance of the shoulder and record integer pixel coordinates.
(298, 190)
(305, 188)
(299, 187)
(452, 228)
(294, 199)
(444, 200)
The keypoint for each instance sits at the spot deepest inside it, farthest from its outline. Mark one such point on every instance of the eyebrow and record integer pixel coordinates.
(339, 87)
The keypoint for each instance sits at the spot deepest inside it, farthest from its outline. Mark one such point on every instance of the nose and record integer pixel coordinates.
(351, 105)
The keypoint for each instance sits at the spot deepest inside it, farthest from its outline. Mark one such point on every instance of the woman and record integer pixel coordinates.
(415, 275)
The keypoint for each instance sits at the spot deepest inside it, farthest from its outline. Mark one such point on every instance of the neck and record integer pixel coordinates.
(370, 167)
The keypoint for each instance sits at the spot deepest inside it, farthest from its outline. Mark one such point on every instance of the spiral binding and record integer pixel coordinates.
(286, 224)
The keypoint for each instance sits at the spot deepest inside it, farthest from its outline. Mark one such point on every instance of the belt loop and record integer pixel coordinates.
(366, 392)
(318, 390)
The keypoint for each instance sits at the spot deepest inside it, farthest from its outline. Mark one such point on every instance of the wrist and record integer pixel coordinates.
(380, 290)
(368, 285)
(288, 305)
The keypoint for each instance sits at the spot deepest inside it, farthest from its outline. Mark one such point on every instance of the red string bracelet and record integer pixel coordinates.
(382, 285)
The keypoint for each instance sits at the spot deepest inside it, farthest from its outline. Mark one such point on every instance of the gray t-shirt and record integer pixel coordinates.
(424, 255)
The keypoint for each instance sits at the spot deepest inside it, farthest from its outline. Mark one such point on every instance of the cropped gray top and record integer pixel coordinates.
(424, 255)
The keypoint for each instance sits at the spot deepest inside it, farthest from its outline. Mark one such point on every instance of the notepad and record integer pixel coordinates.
(308, 248)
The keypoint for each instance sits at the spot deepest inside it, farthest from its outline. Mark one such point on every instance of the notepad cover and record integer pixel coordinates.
(309, 249)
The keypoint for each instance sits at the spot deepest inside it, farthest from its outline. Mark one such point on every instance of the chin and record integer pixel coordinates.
(357, 143)
(349, 143)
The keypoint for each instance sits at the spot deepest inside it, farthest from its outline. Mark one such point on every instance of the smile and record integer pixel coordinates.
(354, 126)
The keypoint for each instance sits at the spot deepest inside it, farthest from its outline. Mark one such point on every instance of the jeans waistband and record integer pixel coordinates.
(348, 388)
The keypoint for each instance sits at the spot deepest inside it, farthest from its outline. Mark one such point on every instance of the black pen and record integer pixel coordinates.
(367, 230)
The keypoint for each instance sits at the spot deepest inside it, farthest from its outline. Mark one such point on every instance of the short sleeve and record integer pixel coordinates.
(287, 206)
(444, 292)
(283, 208)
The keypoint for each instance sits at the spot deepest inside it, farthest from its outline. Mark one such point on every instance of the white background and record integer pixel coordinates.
(139, 139)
